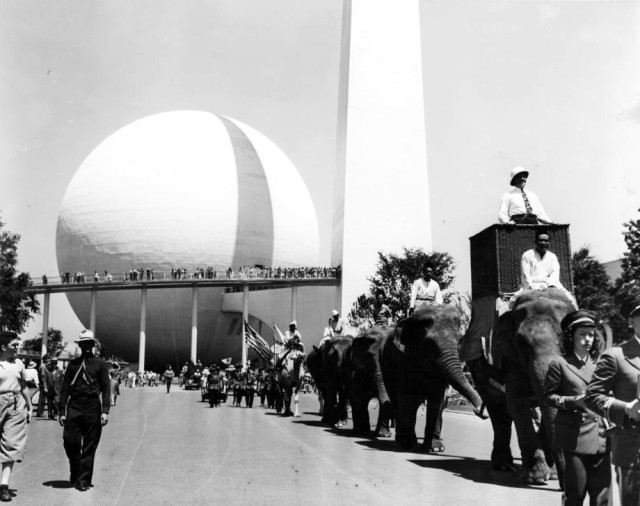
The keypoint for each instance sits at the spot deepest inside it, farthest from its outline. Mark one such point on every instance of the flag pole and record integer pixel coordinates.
(245, 318)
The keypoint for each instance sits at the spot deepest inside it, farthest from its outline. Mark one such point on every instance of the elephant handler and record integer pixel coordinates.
(540, 269)
(425, 290)
(83, 412)
(579, 433)
(613, 393)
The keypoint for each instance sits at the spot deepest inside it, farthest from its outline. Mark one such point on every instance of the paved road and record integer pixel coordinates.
(163, 448)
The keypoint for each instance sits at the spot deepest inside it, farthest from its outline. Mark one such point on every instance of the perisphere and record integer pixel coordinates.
(182, 189)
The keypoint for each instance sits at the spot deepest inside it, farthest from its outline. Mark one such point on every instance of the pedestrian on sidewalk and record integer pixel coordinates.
(15, 410)
(83, 412)
(168, 377)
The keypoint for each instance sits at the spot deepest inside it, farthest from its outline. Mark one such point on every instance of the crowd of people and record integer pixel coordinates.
(181, 273)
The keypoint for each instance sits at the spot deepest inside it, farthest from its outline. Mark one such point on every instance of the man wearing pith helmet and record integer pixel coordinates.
(613, 394)
(520, 206)
(85, 400)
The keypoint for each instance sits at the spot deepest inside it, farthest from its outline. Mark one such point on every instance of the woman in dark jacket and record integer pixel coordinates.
(578, 433)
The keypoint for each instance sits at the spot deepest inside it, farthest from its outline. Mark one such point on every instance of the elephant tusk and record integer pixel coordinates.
(480, 412)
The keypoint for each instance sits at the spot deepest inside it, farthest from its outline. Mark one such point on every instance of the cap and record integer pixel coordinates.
(293, 323)
(580, 318)
(335, 313)
(517, 170)
(85, 336)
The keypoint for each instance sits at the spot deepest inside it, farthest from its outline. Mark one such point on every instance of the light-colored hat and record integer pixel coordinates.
(31, 365)
(518, 170)
(335, 312)
(85, 336)
(293, 323)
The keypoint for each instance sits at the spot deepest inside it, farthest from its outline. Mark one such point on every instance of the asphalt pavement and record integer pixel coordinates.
(161, 448)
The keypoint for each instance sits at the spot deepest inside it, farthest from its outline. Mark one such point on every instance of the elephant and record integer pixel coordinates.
(416, 360)
(288, 369)
(328, 365)
(525, 341)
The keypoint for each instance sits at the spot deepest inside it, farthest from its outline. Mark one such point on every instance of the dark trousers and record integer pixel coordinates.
(42, 401)
(51, 403)
(168, 383)
(249, 394)
(586, 473)
(629, 483)
(82, 430)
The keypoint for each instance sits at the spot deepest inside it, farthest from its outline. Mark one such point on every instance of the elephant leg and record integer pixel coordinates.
(501, 421)
(535, 469)
(406, 420)
(436, 402)
(360, 414)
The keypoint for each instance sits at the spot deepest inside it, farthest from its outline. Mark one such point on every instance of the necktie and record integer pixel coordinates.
(527, 204)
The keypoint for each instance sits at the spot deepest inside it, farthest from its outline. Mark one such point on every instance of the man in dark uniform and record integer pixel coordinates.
(613, 393)
(82, 412)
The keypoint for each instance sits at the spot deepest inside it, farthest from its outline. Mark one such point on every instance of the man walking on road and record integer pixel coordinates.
(82, 412)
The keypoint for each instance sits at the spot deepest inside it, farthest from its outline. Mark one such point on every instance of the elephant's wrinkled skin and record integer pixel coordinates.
(418, 360)
(328, 365)
(526, 339)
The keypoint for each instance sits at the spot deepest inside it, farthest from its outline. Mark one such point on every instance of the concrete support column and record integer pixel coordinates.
(245, 318)
(92, 317)
(143, 329)
(45, 324)
(294, 302)
(194, 323)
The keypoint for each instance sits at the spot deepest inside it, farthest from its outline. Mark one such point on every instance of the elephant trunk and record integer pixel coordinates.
(450, 363)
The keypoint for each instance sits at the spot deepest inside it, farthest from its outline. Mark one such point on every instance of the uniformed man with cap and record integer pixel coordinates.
(614, 393)
(84, 408)
(579, 433)
(519, 206)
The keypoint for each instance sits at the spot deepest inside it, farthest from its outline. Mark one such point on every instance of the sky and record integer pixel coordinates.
(553, 86)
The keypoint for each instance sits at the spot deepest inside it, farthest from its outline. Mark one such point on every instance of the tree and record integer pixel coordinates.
(16, 306)
(54, 343)
(394, 276)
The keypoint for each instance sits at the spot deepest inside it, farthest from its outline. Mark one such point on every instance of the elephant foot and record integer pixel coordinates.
(553, 474)
(382, 432)
(436, 446)
(502, 462)
(339, 424)
(538, 475)
(406, 440)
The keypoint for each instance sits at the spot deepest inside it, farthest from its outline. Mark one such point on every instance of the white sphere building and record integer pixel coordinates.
(184, 189)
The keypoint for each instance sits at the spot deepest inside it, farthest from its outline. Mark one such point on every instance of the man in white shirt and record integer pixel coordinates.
(540, 269)
(519, 206)
(425, 290)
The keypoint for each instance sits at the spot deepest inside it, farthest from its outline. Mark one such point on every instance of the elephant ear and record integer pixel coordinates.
(411, 329)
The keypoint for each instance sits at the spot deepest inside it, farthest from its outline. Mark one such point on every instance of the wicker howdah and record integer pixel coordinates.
(496, 253)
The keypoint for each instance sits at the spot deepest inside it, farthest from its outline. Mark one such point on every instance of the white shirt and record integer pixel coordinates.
(513, 203)
(31, 375)
(538, 272)
(425, 291)
(10, 374)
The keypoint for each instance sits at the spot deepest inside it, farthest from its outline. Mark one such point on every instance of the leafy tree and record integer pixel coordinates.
(54, 343)
(16, 306)
(593, 290)
(394, 276)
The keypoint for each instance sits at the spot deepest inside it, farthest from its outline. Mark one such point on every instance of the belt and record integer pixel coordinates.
(425, 298)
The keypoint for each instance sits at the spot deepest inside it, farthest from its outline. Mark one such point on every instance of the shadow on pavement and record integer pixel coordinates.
(478, 471)
(58, 484)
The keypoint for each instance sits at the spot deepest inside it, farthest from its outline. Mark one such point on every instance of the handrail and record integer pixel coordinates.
(151, 276)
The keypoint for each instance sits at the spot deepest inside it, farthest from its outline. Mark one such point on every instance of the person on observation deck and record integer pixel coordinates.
(520, 206)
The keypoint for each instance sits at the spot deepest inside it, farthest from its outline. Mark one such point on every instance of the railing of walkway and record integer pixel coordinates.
(151, 275)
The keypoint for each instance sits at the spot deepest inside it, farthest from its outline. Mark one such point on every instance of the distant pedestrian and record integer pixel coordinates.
(15, 411)
(83, 412)
(168, 377)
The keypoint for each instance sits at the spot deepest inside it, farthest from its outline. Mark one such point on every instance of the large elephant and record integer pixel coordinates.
(418, 359)
(328, 365)
(511, 381)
